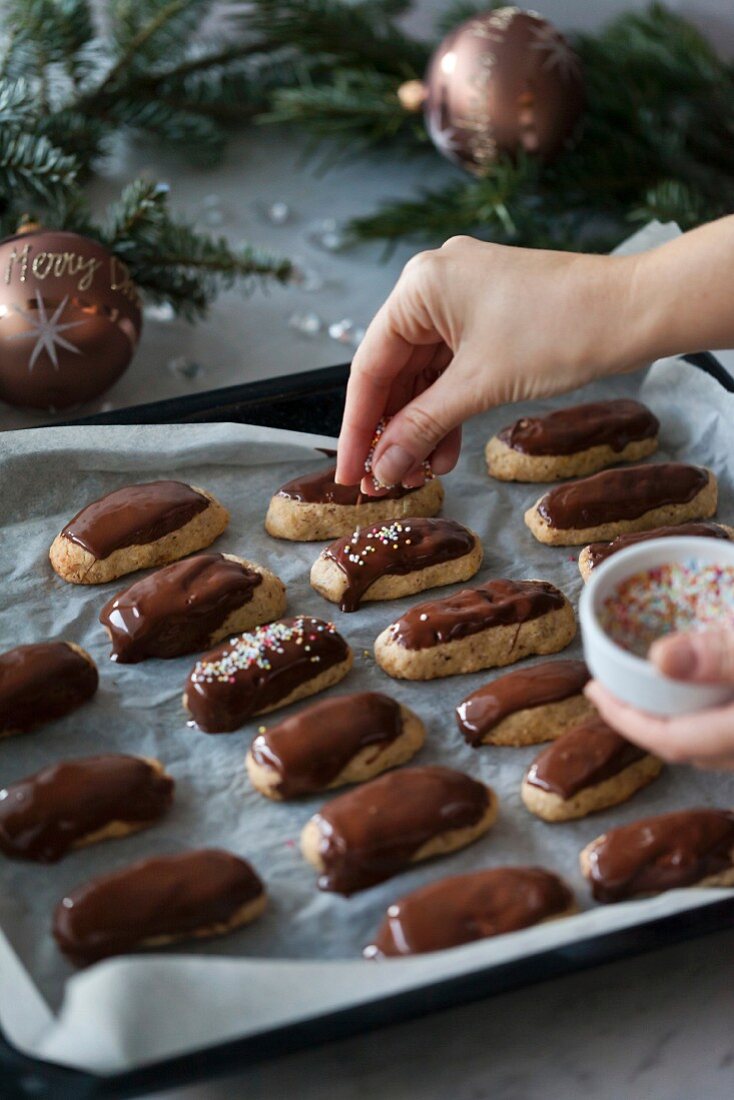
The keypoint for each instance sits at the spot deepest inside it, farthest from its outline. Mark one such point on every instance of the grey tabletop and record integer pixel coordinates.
(657, 1026)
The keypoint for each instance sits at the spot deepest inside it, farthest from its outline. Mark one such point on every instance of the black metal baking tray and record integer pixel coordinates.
(313, 402)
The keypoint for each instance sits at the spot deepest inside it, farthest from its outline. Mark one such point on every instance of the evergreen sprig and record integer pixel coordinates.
(70, 83)
(657, 139)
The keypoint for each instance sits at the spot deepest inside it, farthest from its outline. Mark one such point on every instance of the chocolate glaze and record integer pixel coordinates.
(469, 907)
(134, 516)
(255, 670)
(371, 833)
(588, 754)
(311, 748)
(43, 816)
(544, 683)
(166, 896)
(600, 551)
(612, 424)
(41, 682)
(661, 853)
(394, 549)
(320, 488)
(624, 494)
(494, 603)
(177, 609)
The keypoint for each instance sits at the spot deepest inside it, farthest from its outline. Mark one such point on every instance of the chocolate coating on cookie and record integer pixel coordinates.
(584, 756)
(45, 815)
(41, 682)
(495, 603)
(661, 853)
(134, 516)
(253, 671)
(372, 833)
(623, 494)
(469, 907)
(597, 552)
(395, 549)
(165, 897)
(544, 683)
(177, 609)
(320, 488)
(613, 424)
(311, 748)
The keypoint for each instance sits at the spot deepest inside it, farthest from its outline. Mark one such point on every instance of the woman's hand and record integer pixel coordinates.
(473, 325)
(705, 739)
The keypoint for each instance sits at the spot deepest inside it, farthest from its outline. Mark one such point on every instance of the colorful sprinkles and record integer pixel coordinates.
(391, 534)
(668, 598)
(259, 647)
(379, 431)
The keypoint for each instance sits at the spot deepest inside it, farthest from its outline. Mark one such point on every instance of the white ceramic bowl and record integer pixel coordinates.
(634, 679)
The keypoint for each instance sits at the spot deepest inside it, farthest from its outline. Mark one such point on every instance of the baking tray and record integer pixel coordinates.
(313, 401)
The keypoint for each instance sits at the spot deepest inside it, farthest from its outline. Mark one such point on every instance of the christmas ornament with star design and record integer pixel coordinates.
(70, 319)
(505, 80)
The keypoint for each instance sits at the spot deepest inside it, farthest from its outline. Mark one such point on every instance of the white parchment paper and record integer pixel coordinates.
(303, 956)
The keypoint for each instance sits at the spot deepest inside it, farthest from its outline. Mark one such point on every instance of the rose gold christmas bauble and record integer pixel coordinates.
(504, 80)
(69, 319)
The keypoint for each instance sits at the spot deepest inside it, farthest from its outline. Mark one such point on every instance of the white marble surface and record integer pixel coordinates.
(655, 1027)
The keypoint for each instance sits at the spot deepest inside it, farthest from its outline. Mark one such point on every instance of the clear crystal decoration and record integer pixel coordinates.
(328, 234)
(307, 324)
(159, 311)
(185, 368)
(279, 213)
(305, 277)
(347, 332)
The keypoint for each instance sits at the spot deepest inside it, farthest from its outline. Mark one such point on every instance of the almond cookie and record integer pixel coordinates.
(381, 828)
(593, 555)
(394, 560)
(527, 706)
(135, 528)
(80, 802)
(496, 624)
(470, 907)
(347, 739)
(194, 895)
(267, 668)
(685, 848)
(313, 507)
(41, 682)
(616, 502)
(587, 769)
(573, 442)
(190, 605)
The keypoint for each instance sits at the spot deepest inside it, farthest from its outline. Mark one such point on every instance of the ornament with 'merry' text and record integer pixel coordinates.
(70, 319)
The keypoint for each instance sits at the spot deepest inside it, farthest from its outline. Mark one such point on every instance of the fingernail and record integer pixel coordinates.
(676, 658)
(393, 465)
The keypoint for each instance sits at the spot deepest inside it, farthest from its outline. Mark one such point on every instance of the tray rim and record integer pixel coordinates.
(27, 1076)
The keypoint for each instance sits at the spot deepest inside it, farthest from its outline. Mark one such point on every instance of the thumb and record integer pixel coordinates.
(705, 656)
(415, 432)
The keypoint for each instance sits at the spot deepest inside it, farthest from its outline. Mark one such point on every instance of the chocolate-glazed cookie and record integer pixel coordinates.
(313, 507)
(470, 907)
(685, 848)
(78, 802)
(266, 668)
(42, 682)
(622, 501)
(597, 552)
(346, 739)
(377, 830)
(157, 901)
(136, 527)
(190, 605)
(495, 624)
(368, 563)
(589, 768)
(534, 689)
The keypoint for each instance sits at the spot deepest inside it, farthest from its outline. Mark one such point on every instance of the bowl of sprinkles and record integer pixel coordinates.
(643, 593)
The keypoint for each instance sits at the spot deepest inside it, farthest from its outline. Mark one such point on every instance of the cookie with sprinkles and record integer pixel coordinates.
(264, 669)
(387, 561)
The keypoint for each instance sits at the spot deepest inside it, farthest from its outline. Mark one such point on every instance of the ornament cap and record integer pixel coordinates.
(412, 95)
